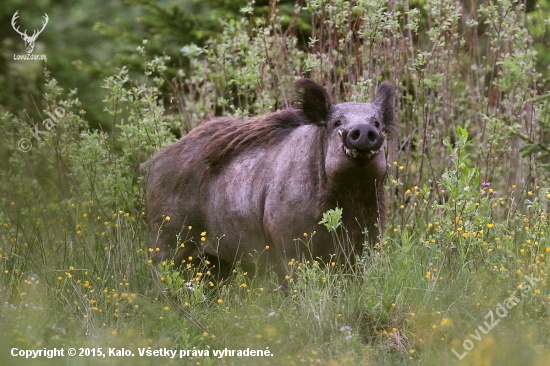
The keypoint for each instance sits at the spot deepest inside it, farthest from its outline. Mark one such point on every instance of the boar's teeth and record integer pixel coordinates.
(340, 135)
(352, 153)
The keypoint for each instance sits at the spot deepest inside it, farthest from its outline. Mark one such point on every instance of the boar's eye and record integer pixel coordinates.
(376, 123)
(337, 123)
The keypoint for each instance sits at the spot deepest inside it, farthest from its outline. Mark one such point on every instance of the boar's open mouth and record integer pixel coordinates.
(352, 152)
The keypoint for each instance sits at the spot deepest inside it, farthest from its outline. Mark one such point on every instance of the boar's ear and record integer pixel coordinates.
(313, 100)
(384, 100)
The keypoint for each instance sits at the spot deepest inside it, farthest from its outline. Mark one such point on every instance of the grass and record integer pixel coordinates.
(421, 293)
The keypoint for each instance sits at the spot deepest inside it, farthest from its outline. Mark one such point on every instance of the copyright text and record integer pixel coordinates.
(141, 352)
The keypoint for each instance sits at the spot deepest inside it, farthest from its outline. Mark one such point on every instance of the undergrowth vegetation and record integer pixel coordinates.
(460, 277)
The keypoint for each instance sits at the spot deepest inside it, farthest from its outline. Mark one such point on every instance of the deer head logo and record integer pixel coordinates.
(29, 40)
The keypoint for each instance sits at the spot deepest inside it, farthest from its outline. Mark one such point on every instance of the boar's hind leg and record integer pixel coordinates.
(164, 244)
(169, 241)
(220, 270)
(280, 267)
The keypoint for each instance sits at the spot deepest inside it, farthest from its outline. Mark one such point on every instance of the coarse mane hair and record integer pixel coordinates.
(230, 137)
(225, 138)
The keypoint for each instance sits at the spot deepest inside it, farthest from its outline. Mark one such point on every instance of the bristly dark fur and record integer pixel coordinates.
(233, 137)
(236, 136)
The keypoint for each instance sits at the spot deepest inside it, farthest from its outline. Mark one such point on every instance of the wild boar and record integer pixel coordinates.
(252, 187)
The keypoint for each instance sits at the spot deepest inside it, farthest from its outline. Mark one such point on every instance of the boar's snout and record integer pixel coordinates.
(365, 137)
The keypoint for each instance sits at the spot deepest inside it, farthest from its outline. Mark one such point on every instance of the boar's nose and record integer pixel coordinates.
(365, 137)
